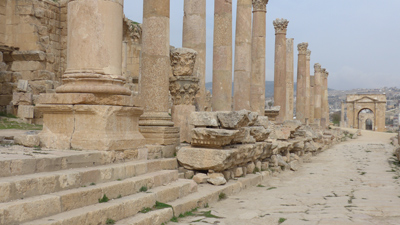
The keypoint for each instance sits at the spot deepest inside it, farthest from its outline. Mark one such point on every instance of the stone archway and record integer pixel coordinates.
(363, 107)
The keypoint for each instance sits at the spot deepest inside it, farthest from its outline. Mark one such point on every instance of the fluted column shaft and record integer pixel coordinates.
(155, 63)
(307, 86)
(301, 81)
(289, 78)
(194, 37)
(317, 93)
(222, 56)
(324, 97)
(241, 95)
(312, 99)
(257, 91)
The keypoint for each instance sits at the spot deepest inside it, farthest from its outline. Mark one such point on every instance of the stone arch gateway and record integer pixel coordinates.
(375, 103)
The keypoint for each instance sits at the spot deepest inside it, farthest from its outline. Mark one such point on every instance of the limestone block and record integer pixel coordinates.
(20, 98)
(3, 66)
(234, 120)
(264, 166)
(5, 76)
(22, 86)
(258, 165)
(204, 119)
(216, 179)
(294, 165)
(27, 140)
(282, 133)
(26, 111)
(28, 55)
(253, 118)
(27, 65)
(250, 167)
(244, 136)
(262, 121)
(87, 99)
(238, 172)
(43, 75)
(259, 133)
(397, 153)
(201, 178)
(5, 99)
(213, 138)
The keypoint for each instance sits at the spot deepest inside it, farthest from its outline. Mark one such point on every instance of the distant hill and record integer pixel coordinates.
(269, 88)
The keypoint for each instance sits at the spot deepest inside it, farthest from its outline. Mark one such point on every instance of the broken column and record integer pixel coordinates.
(280, 94)
(92, 109)
(317, 93)
(194, 37)
(307, 87)
(289, 79)
(155, 124)
(222, 60)
(301, 82)
(241, 95)
(183, 88)
(257, 82)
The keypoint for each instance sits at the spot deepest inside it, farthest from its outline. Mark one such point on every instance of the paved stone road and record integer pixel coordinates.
(352, 183)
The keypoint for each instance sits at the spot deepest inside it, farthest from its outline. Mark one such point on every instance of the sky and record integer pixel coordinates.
(357, 41)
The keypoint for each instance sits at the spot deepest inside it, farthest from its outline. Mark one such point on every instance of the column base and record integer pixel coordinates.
(160, 135)
(90, 127)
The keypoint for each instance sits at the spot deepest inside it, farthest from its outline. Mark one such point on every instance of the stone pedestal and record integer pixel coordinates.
(289, 79)
(317, 93)
(194, 37)
(272, 113)
(280, 94)
(301, 81)
(183, 88)
(257, 82)
(222, 60)
(92, 110)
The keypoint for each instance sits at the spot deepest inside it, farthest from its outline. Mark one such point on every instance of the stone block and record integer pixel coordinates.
(204, 119)
(27, 65)
(200, 178)
(234, 120)
(238, 172)
(244, 136)
(259, 133)
(208, 137)
(26, 111)
(250, 167)
(22, 86)
(294, 165)
(216, 179)
(28, 55)
(27, 140)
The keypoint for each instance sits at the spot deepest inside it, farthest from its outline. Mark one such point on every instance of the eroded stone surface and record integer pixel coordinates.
(206, 137)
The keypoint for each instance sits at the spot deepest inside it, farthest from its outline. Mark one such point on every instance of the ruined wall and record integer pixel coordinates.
(131, 48)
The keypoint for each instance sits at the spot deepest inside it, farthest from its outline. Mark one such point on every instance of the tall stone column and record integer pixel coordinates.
(324, 96)
(301, 81)
(155, 124)
(222, 56)
(241, 95)
(289, 78)
(280, 94)
(307, 86)
(183, 88)
(194, 37)
(317, 93)
(342, 124)
(257, 82)
(92, 109)
(312, 99)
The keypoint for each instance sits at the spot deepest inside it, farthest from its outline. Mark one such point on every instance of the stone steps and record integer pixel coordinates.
(19, 187)
(156, 217)
(118, 209)
(46, 205)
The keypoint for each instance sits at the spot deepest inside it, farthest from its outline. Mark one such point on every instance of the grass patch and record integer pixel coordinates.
(174, 219)
(160, 205)
(92, 184)
(363, 173)
(260, 185)
(145, 210)
(7, 123)
(281, 220)
(256, 170)
(143, 189)
(103, 199)
(271, 188)
(222, 196)
(110, 221)
(208, 214)
(119, 196)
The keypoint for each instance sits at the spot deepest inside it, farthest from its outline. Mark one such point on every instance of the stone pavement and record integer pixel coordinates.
(355, 182)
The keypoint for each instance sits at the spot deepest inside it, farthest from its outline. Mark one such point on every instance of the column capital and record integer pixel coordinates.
(280, 25)
(302, 47)
(308, 56)
(317, 68)
(260, 5)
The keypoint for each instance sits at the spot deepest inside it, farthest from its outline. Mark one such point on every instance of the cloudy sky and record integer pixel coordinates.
(357, 41)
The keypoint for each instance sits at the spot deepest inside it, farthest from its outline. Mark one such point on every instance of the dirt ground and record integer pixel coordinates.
(355, 182)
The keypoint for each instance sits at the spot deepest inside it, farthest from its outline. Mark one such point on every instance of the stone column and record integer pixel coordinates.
(257, 82)
(324, 97)
(312, 99)
(183, 88)
(289, 78)
(155, 124)
(307, 86)
(194, 37)
(241, 95)
(301, 79)
(317, 93)
(280, 94)
(92, 109)
(222, 56)
(342, 116)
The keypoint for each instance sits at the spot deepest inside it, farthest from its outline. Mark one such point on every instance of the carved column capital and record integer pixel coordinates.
(317, 68)
(260, 5)
(182, 61)
(280, 25)
(183, 89)
(308, 56)
(135, 30)
(302, 47)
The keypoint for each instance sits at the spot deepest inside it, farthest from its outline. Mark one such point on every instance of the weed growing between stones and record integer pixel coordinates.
(143, 189)
(104, 199)
(110, 221)
(271, 188)
(222, 196)
(260, 185)
(145, 210)
(281, 220)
